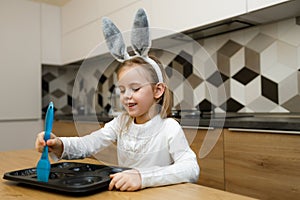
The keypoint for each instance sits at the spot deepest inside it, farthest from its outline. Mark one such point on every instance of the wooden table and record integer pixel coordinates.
(21, 159)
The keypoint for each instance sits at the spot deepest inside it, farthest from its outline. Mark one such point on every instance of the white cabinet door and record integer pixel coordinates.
(184, 15)
(78, 13)
(20, 63)
(82, 28)
(51, 34)
(77, 44)
(253, 5)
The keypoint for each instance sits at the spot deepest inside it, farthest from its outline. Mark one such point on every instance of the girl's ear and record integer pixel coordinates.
(159, 90)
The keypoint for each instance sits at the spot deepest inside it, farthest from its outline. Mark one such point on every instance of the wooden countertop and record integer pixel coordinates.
(21, 159)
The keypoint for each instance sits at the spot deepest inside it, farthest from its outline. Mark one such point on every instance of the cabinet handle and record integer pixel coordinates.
(199, 127)
(262, 130)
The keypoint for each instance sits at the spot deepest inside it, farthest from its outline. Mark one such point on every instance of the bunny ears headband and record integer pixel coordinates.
(140, 41)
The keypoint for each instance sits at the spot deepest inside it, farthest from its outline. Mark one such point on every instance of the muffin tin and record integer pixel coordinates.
(70, 177)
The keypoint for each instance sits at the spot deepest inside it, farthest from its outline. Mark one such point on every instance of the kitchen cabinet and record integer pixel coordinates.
(184, 15)
(51, 34)
(69, 128)
(82, 27)
(20, 74)
(81, 23)
(212, 165)
(262, 165)
(253, 5)
(20, 63)
(76, 13)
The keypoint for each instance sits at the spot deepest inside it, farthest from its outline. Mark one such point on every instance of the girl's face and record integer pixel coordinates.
(137, 93)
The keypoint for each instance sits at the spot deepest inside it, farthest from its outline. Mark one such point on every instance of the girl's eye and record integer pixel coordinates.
(136, 89)
(122, 90)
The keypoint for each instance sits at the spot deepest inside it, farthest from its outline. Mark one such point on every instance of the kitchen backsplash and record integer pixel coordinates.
(258, 68)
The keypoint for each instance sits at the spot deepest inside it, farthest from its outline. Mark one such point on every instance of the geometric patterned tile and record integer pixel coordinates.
(252, 60)
(100, 99)
(237, 61)
(268, 57)
(237, 91)
(262, 104)
(205, 105)
(217, 79)
(199, 94)
(69, 100)
(45, 86)
(57, 93)
(245, 75)
(231, 105)
(217, 95)
(291, 36)
(188, 95)
(253, 90)
(81, 84)
(287, 88)
(97, 74)
(66, 109)
(279, 109)
(178, 94)
(260, 42)
(298, 21)
(287, 54)
(182, 63)
(194, 80)
(224, 54)
(48, 77)
(293, 104)
(229, 48)
(240, 74)
(102, 79)
(278, 72)
(269, 89)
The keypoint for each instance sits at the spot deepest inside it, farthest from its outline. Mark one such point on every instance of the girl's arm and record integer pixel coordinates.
(81, 147)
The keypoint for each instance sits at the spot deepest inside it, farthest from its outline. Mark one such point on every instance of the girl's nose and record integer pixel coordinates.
(128, 93)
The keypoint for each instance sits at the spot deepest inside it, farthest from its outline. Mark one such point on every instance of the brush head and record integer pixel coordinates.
(43, 170)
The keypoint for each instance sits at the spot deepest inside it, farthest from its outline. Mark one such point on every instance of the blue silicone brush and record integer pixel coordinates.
(43, 166)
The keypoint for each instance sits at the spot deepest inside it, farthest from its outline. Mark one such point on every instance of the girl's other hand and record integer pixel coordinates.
(129, 180)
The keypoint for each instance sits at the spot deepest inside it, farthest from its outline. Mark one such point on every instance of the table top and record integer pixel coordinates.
(22, 159)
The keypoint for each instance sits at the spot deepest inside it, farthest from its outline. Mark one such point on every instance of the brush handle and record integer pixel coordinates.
(49, 121)
(45, 153)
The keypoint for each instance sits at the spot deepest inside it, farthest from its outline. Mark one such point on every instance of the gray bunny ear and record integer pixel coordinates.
(114, 40)
(140, 37)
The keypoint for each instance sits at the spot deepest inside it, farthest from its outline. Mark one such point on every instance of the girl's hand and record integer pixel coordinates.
(54, 144)
(129, 180)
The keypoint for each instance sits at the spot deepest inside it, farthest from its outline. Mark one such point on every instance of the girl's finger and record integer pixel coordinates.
(51, 142)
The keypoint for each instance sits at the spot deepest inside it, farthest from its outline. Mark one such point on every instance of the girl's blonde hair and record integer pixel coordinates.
(165, 101)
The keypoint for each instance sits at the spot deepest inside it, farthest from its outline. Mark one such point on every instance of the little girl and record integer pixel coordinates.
(152, 145)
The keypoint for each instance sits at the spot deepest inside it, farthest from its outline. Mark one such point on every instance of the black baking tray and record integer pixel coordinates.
(68, 177)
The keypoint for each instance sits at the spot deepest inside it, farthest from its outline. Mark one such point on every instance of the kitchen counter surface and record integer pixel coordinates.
(22, 159)
(262, 121)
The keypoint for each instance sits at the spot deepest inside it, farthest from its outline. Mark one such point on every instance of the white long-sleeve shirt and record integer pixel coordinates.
(158, 149)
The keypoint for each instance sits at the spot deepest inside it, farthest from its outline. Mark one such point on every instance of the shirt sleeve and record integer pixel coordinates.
(81, 147)
(185, 167)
